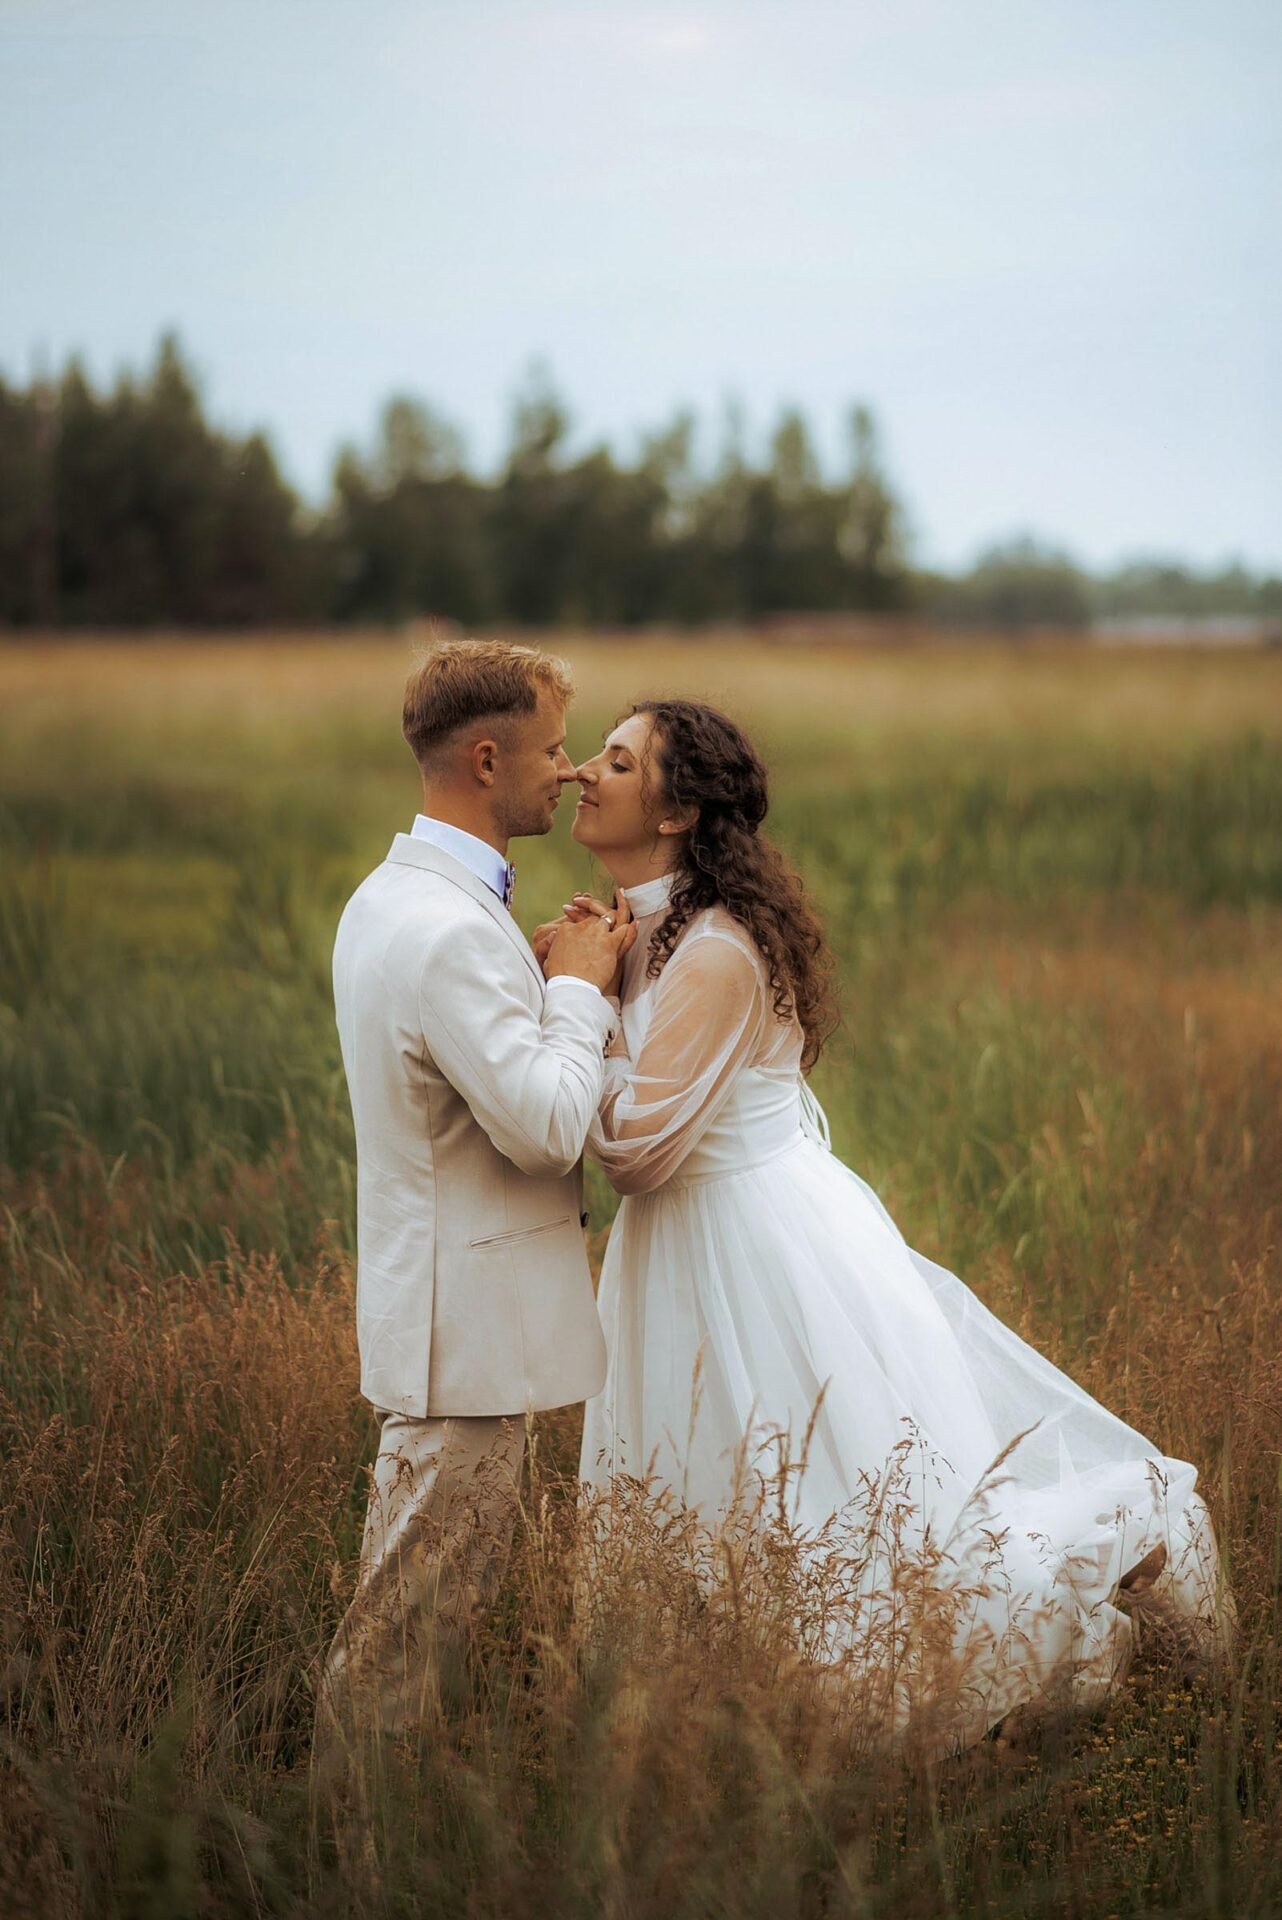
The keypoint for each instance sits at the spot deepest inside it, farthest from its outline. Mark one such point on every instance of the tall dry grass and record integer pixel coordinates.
(1058, 931)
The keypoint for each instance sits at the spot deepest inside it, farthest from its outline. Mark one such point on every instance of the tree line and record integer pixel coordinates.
(126, 506)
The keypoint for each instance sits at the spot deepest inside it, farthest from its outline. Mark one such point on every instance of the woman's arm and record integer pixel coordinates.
(709, 1005)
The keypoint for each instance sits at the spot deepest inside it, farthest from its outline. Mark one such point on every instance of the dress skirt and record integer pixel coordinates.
(772, 1337)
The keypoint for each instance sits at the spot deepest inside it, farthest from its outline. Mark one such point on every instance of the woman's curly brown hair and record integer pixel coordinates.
(706, 764)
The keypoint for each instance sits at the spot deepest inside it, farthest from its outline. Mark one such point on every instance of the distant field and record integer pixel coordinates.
(1053, 877)
(949, 692)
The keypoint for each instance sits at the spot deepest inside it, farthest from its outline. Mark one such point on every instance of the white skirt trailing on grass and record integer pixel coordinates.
(774, 1340)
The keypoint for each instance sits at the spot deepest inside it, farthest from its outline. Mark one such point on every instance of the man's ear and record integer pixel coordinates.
(483, 760)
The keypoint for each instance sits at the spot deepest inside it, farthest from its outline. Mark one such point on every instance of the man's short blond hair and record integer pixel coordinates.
(463, 683)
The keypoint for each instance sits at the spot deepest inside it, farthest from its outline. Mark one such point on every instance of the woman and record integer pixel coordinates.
(764, 1314)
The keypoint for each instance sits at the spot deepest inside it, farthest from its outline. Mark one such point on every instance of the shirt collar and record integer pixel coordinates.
(478, 856)
(650, 896)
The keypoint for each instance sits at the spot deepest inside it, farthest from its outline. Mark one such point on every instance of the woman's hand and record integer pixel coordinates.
(586, 906)
(582, 907)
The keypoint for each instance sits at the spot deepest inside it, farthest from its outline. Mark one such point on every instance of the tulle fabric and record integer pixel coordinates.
(705, 1021)
(763, 1311)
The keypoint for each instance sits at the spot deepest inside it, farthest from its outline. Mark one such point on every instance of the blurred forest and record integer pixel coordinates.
(127, 507)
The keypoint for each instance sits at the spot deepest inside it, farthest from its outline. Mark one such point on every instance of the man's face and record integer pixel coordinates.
(532, 768)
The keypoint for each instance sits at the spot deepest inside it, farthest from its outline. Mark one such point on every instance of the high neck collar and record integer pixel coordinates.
(650, 896)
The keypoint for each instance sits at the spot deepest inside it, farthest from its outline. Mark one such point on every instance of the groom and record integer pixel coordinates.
(472, 1082)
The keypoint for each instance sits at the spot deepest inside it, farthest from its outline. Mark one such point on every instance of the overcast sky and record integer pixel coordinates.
(1042, 238)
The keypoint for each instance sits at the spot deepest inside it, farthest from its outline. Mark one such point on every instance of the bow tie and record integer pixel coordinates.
(509, 884)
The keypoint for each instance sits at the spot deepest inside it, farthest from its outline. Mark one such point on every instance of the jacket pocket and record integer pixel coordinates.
(521, 1233)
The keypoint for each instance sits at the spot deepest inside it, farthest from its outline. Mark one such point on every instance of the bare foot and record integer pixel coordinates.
(1143, 1574)
(1014, 1732)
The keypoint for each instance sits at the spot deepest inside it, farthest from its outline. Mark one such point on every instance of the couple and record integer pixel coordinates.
(754, 1289)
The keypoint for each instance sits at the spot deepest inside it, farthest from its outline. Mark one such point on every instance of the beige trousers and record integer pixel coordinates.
(437, 1536)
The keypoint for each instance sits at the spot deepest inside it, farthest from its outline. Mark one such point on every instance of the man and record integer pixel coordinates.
(472, 1082)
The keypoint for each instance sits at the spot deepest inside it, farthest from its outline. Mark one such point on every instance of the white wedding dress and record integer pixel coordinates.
(750, 1276)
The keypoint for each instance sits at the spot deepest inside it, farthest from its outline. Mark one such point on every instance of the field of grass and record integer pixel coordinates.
(1053, 878)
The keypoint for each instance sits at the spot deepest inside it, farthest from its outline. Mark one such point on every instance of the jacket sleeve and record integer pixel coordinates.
(709, 1008)
(533, 1084)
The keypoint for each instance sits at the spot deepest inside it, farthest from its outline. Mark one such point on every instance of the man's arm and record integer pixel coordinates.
(532, 1084)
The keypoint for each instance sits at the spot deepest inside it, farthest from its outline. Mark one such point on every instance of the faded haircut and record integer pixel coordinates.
(463, 683)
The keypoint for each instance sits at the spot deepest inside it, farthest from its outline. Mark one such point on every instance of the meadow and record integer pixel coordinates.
(1053, 880)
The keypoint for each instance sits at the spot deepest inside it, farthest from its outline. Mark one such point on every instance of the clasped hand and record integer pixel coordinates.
(589, 941)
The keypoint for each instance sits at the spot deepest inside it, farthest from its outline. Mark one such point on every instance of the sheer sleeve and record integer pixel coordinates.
(709, 1005)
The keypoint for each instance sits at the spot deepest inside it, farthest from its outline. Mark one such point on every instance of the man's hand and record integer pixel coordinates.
(592, 948)
(579, 908)
(542, 938)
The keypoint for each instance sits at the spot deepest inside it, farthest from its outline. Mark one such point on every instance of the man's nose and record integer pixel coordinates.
(566, 769)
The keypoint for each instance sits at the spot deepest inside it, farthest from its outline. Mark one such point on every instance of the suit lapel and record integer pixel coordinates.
(406, 851)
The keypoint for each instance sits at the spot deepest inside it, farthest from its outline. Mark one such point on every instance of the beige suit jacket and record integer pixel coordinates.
(472, 1089)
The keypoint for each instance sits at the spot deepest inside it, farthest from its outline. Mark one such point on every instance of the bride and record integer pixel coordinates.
(756, 1293)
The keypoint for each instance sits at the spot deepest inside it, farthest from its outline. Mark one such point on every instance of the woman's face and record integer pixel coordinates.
(613, 815)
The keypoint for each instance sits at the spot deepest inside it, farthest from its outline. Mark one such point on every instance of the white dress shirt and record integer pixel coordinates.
(478, 856)
(489, 866)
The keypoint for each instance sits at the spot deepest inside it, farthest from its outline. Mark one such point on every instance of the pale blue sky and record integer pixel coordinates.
(1043, 238)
